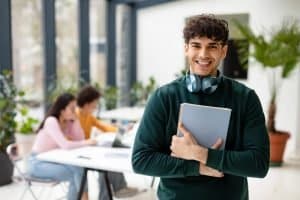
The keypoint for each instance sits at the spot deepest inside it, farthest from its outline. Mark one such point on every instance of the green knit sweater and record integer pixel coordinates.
(246, 152)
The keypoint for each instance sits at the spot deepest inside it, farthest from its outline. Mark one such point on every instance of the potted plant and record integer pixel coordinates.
(140, 93)
(110, 96)
(280, 53)
(25, 132)
(8, 103)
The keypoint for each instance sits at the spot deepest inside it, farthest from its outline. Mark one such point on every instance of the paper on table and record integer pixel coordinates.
(103, 139)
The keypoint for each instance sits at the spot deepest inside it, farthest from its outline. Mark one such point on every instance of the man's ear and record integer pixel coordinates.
(224, 51)
(186, 47)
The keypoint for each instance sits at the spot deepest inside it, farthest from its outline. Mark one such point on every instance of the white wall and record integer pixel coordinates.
(161, 54)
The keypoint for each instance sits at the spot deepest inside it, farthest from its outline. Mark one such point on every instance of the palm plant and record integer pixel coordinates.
(281, 50)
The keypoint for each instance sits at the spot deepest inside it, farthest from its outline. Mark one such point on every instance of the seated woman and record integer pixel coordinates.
(59, 129)
(87, 101)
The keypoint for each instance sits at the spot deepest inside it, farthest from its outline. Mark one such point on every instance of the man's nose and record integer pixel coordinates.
(203, 53)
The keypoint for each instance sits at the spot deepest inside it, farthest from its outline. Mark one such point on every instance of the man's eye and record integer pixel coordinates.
(213, 47)
(196, 46)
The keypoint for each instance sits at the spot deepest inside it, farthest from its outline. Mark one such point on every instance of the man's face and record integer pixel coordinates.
(204, 55)
(91, 107)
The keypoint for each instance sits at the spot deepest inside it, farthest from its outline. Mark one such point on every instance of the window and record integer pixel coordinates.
(97, 42)
(27, 48)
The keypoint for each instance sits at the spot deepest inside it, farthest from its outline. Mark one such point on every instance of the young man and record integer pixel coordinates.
(87, 100)
(188, 170)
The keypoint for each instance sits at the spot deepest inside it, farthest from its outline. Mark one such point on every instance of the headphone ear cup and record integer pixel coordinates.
(193, 83)
(188, 83)
(209, 84)
(206, 84)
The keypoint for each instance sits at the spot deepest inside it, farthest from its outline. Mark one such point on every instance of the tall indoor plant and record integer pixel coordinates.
(8, 103)
(280, 51)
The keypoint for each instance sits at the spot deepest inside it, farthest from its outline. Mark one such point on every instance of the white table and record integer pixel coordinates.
(126, 113)
(102, 159)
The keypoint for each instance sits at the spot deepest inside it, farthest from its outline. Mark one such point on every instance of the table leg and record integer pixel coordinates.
(82, 184)
(108, 185)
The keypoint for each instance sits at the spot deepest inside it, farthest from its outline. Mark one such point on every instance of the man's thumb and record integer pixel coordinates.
(218, 144)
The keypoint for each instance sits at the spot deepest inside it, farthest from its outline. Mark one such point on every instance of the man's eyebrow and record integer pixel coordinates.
(195, 43)
(210, 43)
(213, 43)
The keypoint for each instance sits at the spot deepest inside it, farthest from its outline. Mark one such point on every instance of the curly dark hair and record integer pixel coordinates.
(206, 25)
(87, 95)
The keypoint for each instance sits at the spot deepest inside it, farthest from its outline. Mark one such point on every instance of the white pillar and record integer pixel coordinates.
(297, 134)
(123, 54)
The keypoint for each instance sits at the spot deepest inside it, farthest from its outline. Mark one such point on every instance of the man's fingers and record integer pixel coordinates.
(217, 174)
(218, 144)
(208, 171)
(183, 129)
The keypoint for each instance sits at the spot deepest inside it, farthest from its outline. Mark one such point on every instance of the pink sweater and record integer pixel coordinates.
(52, 137)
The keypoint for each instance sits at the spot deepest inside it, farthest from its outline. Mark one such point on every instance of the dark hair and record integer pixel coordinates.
(61, 102)
(206, 25)
(86, 95)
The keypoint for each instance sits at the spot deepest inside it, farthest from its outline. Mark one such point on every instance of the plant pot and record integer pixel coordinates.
(6, 169)
(277, 147)
(25, 143)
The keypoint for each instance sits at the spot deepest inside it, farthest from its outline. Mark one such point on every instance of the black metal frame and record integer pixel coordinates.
(5, 36)
(111, 43)
(48, 7)
(84, 178)
(84, 39)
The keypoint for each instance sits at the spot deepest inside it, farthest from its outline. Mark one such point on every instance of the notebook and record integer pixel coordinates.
(206, 123)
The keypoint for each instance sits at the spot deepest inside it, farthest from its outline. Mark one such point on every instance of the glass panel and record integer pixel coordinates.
(97, 42)
(66, 17)
(27, 48)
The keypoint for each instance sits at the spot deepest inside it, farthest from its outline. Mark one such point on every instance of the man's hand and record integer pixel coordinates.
(208, 171)
(184, 147)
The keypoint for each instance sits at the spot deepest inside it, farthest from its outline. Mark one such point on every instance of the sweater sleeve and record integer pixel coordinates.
(149, 152)
(103, 126)
(253, 157)
(52, 128)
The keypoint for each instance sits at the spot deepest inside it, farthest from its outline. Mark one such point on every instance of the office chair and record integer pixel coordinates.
(12, 152)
